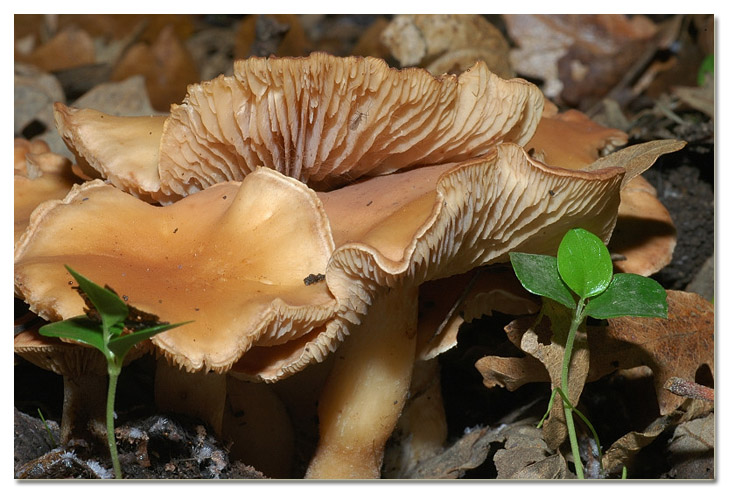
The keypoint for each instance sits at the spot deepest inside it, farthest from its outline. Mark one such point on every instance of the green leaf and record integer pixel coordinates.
(629, 295)
(538, 274)
(120, 345)
(111, 308)
(584, 263)
(707, 69)
(79, 328)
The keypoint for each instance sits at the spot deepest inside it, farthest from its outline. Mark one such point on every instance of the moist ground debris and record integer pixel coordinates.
(156, 447)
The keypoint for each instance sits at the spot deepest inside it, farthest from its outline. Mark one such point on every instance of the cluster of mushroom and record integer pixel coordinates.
(306, 201)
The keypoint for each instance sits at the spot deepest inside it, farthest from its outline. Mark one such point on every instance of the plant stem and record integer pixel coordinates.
(567, 355)
(111, 440)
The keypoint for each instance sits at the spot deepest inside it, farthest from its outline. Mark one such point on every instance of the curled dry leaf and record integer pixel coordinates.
(447, 43)
(578, 56)
(526, 456)
(71, 47)
(675, 347)
(166, 65)
(622, 452)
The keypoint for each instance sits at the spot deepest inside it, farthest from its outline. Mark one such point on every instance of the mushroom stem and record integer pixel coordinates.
(367, 388)
(84, 408)
(201, 395)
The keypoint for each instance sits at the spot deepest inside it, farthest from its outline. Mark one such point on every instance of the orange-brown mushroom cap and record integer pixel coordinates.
(322, 119)
(40, 175)
(231, 258)
(434, 222)
(125, 150)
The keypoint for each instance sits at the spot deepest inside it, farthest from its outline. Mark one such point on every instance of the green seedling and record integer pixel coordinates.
(52, 441)
(707, 70)
(112, 327)
(581, 278)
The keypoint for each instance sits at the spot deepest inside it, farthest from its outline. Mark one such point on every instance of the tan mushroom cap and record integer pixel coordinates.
(68, 359)
(572, 140)
(322, 119)
(231, 258)
(434, 222)
(644, 234)
(120, 149)
(40, 175)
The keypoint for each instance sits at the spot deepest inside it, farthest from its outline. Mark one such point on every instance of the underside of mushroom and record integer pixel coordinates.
(324, 120)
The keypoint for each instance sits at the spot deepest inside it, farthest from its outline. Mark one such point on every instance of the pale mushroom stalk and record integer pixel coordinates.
(84, 408)
(367, 389)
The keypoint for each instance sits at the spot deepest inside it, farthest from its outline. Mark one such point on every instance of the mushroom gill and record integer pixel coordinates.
(322, 119)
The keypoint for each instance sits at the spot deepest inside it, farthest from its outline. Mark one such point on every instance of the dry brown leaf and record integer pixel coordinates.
(675, 347)
(692, 449)
(594, 50)
(70, 48)
(527, 456)
(549, 349)
(638, 158)
(444, 43)
(622, 451)
(467, 453)
(700, 98)
(167, 66)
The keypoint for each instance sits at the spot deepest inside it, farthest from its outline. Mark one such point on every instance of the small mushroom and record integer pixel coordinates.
(84, 371)
(322, 119)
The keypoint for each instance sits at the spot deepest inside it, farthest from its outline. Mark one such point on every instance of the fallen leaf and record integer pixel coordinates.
(467, 453)
(692, 449)
(700, 98)
(675, 347)
(546, 342)
(592, 48)
(166, 64)
(527, 456)
(622, 451)
(447, 43)
(638, 158)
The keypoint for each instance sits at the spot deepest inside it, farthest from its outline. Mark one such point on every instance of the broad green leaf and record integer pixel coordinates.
(120, 345)
(538, 274)
(629, 295)
(79, 328)
(584, 263)
(111, 308)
